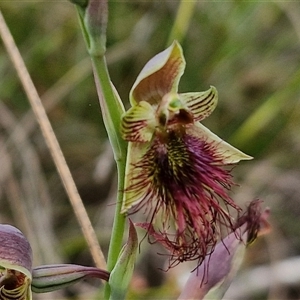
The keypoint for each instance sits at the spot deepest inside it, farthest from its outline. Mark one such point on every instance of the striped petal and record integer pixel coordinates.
(133, 193)
(138, 123)
(201, 104)
(159, 76)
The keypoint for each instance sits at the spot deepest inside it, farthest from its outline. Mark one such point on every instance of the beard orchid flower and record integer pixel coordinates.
(175, 166)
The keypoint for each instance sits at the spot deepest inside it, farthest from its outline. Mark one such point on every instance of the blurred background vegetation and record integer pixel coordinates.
(249, 50)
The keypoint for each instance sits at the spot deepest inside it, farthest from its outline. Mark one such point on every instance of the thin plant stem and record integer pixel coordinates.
(53, 145)
(106, 95)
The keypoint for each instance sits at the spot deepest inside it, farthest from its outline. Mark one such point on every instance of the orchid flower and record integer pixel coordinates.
(175, 166)
(15, 264)
(213, 277)
(17, 277)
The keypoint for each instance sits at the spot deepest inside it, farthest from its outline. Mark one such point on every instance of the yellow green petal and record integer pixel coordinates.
(138, 123)
(159, 76)
(228, 153)
(133, 197)
(201, 104)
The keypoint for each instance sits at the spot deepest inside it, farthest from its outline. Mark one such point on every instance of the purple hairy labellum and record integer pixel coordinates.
(176, 168)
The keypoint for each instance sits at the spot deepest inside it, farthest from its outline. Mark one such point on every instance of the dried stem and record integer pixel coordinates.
(53, 145)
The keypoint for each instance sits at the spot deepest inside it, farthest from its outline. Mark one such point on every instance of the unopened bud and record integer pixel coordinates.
(49, 278)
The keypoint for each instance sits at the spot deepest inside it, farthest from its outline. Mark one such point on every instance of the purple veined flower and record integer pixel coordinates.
(176, 168)
(17, 277)
(213, 277)
(15, 264)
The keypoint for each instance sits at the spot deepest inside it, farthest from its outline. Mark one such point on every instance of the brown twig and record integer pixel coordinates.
(52, 144)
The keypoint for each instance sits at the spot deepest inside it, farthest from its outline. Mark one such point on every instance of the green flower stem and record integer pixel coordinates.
(118, 227)
(111, 107)
(112, 110)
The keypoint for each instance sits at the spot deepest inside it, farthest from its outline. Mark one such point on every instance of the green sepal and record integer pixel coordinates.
(120, 276)
(228, 153)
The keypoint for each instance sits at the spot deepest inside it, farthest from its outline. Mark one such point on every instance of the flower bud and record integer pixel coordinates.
(96, 23)
(49, 278)
(93, 15)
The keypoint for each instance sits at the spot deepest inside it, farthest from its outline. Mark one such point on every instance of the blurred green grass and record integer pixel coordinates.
(250, 51)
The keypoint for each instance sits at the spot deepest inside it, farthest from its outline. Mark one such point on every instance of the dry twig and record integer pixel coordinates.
(52, 144)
